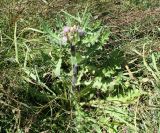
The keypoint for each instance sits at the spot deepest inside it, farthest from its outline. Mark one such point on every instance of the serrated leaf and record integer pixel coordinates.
(58, 68)
(105, 37)
(73, 60)
(79, 57)
(97, 83)
(30, 74)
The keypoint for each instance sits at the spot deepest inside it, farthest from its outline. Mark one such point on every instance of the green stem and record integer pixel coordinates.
(74, 68)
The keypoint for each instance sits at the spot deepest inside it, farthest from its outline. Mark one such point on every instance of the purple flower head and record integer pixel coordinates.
(66, 29)
(81, 32)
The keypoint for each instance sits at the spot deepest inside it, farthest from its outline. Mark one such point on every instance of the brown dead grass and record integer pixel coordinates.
(126, 18)
(147, 22)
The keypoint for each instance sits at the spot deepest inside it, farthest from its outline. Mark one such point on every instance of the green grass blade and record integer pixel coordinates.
(15, 43)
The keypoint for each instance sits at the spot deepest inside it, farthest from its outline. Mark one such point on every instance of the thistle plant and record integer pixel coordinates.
(80, 39)
(75, 46)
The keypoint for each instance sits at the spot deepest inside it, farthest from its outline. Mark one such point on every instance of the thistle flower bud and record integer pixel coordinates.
(66, 29)
(81, 32)
(73, 29)
(69, 33)
(64, 39)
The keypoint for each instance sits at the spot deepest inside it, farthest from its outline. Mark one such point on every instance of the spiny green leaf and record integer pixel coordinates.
(58, 68)
(73, 60)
